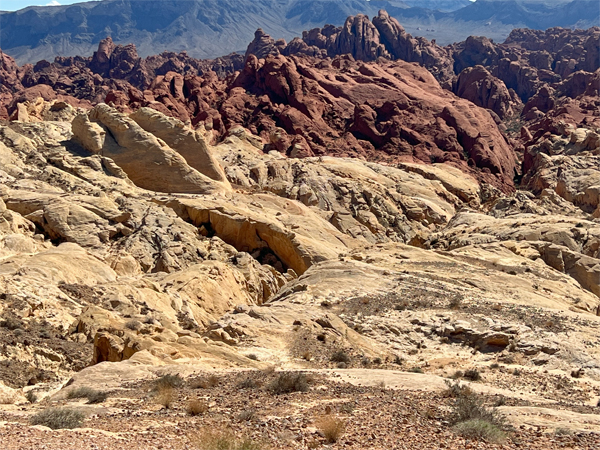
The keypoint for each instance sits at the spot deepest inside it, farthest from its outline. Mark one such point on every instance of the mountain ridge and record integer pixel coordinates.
(208, 29)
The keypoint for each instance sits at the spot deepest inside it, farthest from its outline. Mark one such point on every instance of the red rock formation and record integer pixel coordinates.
(482, 88)
(381, 111)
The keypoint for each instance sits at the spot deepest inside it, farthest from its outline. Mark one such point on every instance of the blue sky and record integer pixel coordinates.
(13, 5)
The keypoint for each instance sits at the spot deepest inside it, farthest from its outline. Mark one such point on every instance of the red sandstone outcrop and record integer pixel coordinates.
(384, 111)
(482, 88)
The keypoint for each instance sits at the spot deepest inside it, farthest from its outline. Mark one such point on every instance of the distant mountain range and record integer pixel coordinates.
(210, 28)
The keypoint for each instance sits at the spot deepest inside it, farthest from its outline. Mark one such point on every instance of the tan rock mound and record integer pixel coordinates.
(149, 162)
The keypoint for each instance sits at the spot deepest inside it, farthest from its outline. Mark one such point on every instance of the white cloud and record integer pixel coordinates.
(53, 3)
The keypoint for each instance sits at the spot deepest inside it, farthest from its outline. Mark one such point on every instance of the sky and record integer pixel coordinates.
(13, 5)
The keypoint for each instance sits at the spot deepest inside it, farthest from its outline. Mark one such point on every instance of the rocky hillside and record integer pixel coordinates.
(131, 248)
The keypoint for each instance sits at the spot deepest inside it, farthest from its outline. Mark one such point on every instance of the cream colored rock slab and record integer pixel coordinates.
(532, 416)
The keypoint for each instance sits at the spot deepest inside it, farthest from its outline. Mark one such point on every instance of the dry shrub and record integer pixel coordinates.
(210, 439)
(331, 428)
(93, 396)
(288, 382)
(456, 390)
(340, 356)
(165, 396)
(469, 405)
(57, 418)
(195, 407)
(249, 383)
(168, 380)
(205, 382)
(247, 415)
(472, 374)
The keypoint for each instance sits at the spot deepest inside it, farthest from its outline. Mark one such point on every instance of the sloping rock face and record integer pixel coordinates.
(149, 162)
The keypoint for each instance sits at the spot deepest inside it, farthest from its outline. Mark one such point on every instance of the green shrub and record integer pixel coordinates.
(480, 429)
(57, 418)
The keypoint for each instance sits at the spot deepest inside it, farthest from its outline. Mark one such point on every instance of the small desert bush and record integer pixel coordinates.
(480, 429)
(223, 440)
(331, 428)
(340, 356)
(470, 416)
(252, 356)
(247, 415)
(458, 374)
(205, 382)
(456, 302)
(249, 383)
(469, 405)
(168, 380)
(31, 396)
(287, 382)
(195, 407)
(165, 396)
(347, 408)
(57, 418)
(134, 325)
(415, 370)
(472, 374)
(457, 390)
(92, 395)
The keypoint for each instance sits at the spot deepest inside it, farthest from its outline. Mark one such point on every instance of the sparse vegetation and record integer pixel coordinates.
(247, 415)
(415, 370)
(331, 428)
(470, 416)
(340, 356)
(249, 383)
(165, 396)
(205, 382)
(560, 431)
(458, 374)
(169, 380)
(480, 429)
(456, 302)
(134, 325)
(223, 440)
(472, 374)
(347, 408)
(457, 390)
(57, 418)
(196, 407)
(288, 382)
(31, 396)
(93, 396)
